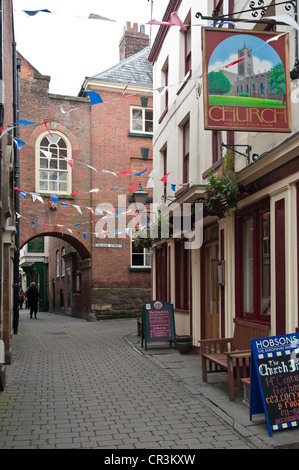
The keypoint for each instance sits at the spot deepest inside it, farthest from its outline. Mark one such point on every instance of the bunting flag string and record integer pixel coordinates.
(95, 98)
(174, 20)
(97, 234)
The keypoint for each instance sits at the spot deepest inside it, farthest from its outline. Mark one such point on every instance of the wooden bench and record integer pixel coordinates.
(231, 355)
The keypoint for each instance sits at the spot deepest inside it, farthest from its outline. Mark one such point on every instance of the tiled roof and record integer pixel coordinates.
(135, 70)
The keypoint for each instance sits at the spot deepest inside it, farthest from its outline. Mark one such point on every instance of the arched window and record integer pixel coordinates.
(53, 173)
(262, 88)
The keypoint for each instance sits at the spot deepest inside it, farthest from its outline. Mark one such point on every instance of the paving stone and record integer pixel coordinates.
(76, 384)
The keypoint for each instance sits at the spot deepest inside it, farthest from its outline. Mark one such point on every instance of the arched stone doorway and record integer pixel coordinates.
(60, 264)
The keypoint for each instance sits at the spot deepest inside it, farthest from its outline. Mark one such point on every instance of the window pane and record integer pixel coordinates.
(265, 263)
(62, 176)
(137, 125)
(53, 149)
(137, 119)
(61, 144)
(211, 307)
(53, 175)
(137, 113)
(62, 164)
(43, 163)
(248, 265)
(148, 126)
(136, 249)
(148, 256)
(53, 186)
(137, 259)
(43, 185)
(62, 187)
(53, 164)
(53, 138)
(44, 142)
(149, 114)
(43, 175)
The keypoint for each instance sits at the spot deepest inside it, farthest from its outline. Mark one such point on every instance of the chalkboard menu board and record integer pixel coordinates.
(158, 322)
(274, 380)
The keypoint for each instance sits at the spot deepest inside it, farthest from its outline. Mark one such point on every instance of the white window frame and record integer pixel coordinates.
(143, 110)
(39, 155)
(146, 252)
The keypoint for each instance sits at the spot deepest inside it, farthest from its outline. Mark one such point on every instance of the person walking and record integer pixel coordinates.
(21, 297)
(33, 295)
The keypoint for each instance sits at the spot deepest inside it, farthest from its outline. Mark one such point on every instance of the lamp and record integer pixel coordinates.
(232, 147)
(140, 196)
(255, 157)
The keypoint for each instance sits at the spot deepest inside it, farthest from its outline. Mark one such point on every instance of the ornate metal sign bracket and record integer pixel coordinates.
(259, 9)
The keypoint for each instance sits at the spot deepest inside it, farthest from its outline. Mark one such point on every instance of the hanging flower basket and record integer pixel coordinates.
(222, 193)
(142, 237)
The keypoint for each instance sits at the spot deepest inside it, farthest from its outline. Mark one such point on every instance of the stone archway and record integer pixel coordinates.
(63, 272)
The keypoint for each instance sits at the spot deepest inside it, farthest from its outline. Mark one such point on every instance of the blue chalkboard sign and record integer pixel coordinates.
(274, 380)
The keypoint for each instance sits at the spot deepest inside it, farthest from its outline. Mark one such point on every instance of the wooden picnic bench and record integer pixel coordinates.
(231, 355)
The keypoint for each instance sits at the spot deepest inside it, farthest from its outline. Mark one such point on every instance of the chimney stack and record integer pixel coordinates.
(132, 41)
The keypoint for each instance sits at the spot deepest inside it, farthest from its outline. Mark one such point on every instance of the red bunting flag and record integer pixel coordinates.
(173, 21)
(128, 96)
(165, 177)
(46, 122)
(235, 62)
(134, 186)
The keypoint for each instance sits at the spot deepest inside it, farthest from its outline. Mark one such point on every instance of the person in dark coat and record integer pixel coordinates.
(33, 295)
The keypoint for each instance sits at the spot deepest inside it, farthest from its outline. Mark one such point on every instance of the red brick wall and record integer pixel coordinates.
(99, 137)
(132, 41)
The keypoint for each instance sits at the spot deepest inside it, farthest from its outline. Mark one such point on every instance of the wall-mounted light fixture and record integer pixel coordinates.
(232, 147)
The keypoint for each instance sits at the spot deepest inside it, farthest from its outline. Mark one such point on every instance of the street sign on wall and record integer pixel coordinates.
(246, 77)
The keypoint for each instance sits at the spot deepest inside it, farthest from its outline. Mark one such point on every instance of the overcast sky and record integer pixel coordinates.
(68, 46)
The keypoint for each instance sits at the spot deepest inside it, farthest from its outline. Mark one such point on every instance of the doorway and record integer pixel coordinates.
(211, 290)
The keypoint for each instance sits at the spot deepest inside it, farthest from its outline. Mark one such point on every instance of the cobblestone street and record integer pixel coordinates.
(77, 384)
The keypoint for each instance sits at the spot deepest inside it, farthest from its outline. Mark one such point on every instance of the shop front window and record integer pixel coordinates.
(253, 265)
(248, 265)
(265, 263)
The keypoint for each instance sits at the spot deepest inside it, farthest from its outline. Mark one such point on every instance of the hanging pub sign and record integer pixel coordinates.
(274, 380)
(158, 322)
(246, 80)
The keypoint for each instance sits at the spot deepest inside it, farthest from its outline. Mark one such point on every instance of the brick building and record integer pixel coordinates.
(76, 150)
(8, 171)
